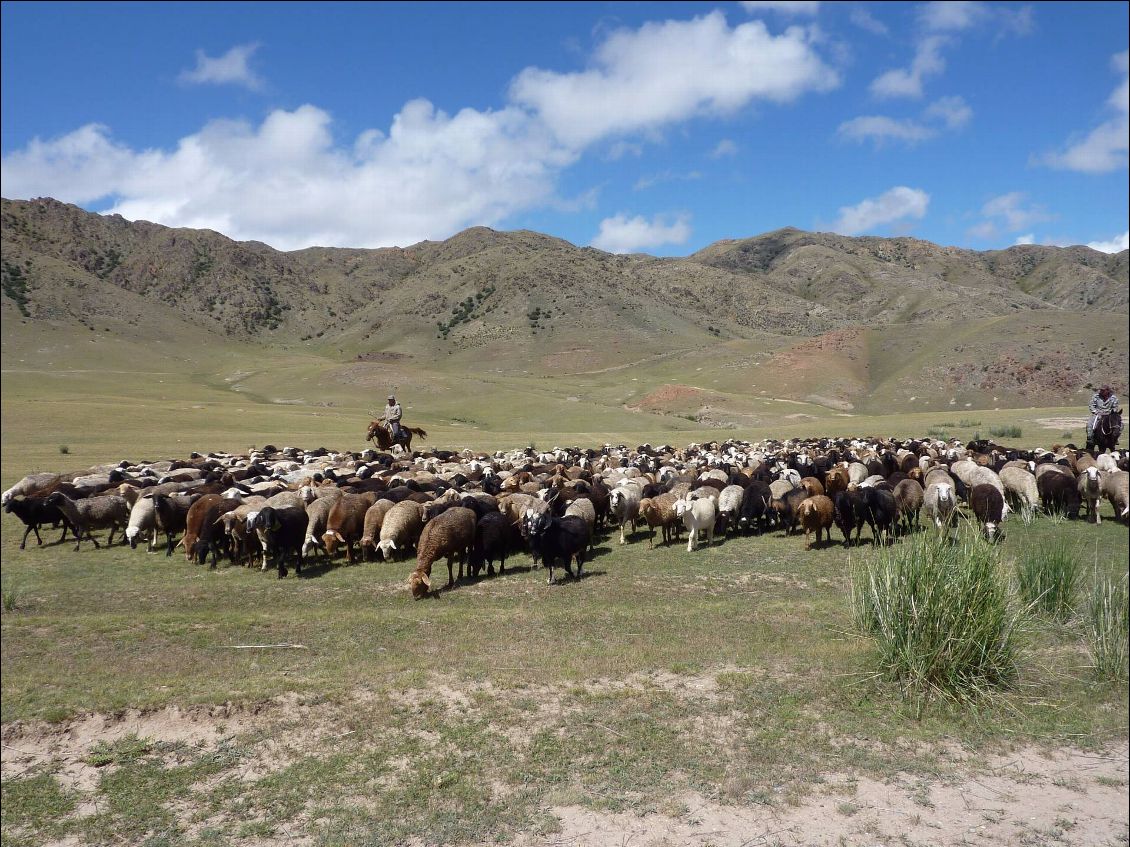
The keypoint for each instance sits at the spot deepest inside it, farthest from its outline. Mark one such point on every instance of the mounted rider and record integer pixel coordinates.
(1103, 403)
(392, 415)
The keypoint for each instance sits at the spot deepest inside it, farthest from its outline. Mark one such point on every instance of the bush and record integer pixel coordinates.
(1108, 629)
(939, 611)
(64, 449)
(1005, 431)
(1048, 577)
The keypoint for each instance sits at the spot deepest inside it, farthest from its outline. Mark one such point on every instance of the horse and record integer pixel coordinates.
(1108, 429)
(379, 430)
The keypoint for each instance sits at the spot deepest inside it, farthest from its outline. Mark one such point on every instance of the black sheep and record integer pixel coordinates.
(849, 514)
(553, 538)
(1059, 493)
(284, 531)
(879, 511)
(754, 512)
(495, 537)
(35, 512)
(987, 504)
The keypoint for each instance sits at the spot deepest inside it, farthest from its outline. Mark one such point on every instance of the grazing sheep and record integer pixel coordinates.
(558, 539)
(987, 504)
(730, 506)
(172, 515)
(32, 485)
(281, 530)
(142, 519)
(202, 534)
(659, 511)
(1090, 485)
(816, 514)
(755, 507)
(879, 511)
(346, 522)
(495, 537)
(243, 545)
(317, 514)
(699, 515)
(34, 512)
(1020, 486)
(371, 533)
(1059, 493)
(848, 514)
(909, 495)
(451, 535)
(583, 508)
(786, 507)
(105, 512)
(624, 506)
(1116, 487)
(939, 503)
(401, 528)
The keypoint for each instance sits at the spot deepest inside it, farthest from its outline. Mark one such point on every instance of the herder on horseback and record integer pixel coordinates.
(387, 429)
(1105, 423)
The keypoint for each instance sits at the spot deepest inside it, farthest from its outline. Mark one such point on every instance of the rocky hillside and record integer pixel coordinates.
(523, 302)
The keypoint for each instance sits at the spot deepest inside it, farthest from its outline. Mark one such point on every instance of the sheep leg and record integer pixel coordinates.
(549, 565)
(623, 540)
(30, 527)
(450, 572)
(580, 563)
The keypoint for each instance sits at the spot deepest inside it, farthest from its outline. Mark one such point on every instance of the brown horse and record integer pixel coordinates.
(379, 430)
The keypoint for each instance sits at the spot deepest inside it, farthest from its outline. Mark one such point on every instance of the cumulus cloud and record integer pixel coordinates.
(725, 147)
(1027, 238)
(881, 129)
(621, 234)
(1104, 148)
(907, 82)
(865, 20)
(1014, 211)
(786, 7)
(898, 205)
(1115, 245)
(950, 113)
(669, 71)
(430, 176)
(951, 15)
(427, 174)
(232, 68)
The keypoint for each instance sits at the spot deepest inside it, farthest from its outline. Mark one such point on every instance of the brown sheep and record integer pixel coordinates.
(909, 495)
(374, 518)
(346, 522)
(450, 535)
(836, 480)
(816, 514)
(659, 511)
(812, 486)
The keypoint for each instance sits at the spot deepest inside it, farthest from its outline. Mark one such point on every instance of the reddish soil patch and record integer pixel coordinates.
(669, 396)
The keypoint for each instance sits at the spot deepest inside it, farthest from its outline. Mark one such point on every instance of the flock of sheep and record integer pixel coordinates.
(271, 506)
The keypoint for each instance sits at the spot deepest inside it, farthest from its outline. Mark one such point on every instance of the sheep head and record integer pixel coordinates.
(420, 584)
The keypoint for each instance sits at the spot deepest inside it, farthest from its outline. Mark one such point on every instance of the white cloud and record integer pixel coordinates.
(725, 147)
(954, 112)
(670, 71)
(895, 206)
(428, 174)
(881, 129)
(229, 69)
(621, 234)
(1014, 211)
(1115, 245)
(1028, 238)
(1105, 147)
(865, 20)
(907, 82)
(951, 15)
(785, 7)
(951, 112)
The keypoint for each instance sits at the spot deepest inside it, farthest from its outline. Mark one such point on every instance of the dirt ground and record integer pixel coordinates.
(1063, 797)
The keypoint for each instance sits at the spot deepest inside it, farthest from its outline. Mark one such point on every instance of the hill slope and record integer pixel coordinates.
(842, 323)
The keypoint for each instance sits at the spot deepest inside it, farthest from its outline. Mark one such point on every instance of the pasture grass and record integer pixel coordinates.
(939, 612)
(1107, 627)
(1048, 578)
(733, 672)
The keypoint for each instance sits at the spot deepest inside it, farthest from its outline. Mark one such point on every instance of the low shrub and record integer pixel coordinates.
(1005, 431)
(938, 609)
(1048, 577)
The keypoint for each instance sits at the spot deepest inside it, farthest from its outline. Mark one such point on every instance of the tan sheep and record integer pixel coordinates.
(659, 511)
(817, 515)
(451, 535)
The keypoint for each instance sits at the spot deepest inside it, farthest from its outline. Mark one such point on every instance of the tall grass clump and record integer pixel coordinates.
(1048, 577)
(1006, 431)
(1107, 628)
(939, 612)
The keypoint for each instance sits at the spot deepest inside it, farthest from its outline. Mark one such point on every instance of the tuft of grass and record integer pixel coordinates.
(64, 449)
(1107, 628)
(1048, 577)
(1006, 431)
(12, 595)
(967, 423)
(938, 610)
(127, 749)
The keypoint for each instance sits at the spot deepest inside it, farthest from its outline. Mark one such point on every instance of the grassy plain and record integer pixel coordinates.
(132, 715)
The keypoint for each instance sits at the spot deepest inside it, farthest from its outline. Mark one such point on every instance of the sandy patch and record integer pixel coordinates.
(1062, 423)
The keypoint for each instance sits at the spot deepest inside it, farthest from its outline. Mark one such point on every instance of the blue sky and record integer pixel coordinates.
(647, 127)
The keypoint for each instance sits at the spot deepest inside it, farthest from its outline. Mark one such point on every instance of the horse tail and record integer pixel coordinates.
(415, 430)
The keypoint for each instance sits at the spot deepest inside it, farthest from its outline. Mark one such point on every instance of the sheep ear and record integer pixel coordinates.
(339, 537)
(424, 579)
(391, 544)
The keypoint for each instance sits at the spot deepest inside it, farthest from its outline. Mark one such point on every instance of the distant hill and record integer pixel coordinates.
(847, 319)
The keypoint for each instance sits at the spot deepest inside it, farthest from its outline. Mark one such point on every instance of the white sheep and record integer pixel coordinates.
(699, 515)
(624, 505)
(939, 503)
